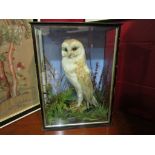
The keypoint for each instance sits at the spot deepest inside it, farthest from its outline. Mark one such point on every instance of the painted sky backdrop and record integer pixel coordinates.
(92, 38)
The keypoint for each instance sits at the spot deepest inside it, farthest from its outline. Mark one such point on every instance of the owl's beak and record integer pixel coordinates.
(69, 55)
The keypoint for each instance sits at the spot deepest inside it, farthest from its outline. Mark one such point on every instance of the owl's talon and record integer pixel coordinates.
(78, 105)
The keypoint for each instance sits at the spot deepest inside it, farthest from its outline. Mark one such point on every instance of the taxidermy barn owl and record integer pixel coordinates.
(77, 71)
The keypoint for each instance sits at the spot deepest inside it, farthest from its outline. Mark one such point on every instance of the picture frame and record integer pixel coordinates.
(76, 64)
(19, 95)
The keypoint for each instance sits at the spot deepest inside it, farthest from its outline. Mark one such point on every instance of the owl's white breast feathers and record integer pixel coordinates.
(69, 67)
(70, 64)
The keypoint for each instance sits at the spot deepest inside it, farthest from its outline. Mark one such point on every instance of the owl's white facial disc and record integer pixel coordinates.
(72, 48)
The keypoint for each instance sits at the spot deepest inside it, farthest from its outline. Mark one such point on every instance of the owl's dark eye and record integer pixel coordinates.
(74, 48)
(65, 49)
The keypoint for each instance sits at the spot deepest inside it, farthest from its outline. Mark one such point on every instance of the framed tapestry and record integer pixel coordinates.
(75, 75)
(18, 81)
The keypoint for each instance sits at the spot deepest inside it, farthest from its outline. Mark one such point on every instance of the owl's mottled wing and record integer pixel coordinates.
(84, 79)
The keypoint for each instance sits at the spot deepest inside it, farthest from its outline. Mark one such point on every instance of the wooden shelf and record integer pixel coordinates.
(121, 124)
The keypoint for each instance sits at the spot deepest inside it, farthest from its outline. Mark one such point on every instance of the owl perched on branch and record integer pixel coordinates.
(77, 71)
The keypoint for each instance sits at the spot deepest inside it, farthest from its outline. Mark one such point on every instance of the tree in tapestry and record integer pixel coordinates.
(12, 80)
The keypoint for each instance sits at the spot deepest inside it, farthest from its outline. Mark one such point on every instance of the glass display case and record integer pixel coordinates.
(76, 71)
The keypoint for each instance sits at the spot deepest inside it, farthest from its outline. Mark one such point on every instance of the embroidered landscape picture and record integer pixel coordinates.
(18, 80)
